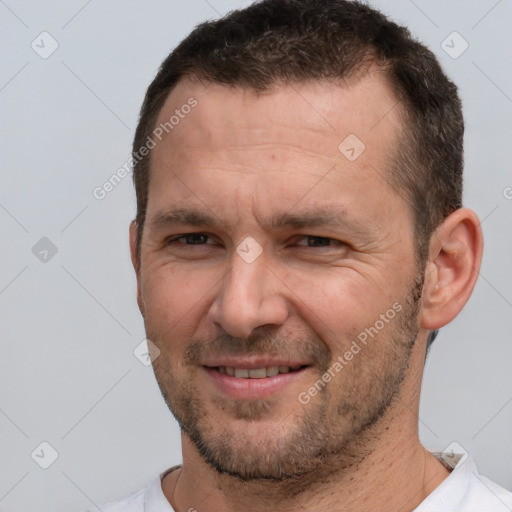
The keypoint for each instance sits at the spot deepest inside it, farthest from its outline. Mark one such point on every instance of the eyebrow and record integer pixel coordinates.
(312, 217)
(183, 216)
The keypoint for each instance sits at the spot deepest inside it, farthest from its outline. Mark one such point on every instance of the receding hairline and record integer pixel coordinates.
(365, 69)
(369, 64)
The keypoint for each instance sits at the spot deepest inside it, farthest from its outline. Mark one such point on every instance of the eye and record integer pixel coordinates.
(191, 239)
(318, 241)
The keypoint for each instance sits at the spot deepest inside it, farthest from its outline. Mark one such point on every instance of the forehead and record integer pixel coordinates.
(328, 112)
(314, 142)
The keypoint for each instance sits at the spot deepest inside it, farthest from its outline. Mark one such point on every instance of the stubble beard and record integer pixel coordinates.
(321, 438)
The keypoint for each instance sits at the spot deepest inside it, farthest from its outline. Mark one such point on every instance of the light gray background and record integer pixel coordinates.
(68, 375)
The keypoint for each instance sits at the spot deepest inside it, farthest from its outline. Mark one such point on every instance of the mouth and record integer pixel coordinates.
(257, 373)
(256, 380)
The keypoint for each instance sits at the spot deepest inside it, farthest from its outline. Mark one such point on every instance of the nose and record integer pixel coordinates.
(250, 296)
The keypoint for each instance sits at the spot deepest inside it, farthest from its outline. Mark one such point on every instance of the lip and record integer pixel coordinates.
(253, 363)
(237, 388)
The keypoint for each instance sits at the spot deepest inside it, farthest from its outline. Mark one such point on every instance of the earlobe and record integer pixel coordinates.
(135, 257)
(452, 269)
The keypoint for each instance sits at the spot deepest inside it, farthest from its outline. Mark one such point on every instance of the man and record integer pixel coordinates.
(299, 240)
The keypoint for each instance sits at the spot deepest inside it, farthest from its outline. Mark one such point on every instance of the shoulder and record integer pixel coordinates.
(465, 490)
(484, 494)
(147, 499)
(134, 502)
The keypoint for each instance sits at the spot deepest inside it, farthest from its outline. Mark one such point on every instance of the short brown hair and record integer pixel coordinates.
(290, 41)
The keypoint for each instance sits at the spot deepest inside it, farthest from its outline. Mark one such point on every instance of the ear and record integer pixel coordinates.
(451, 272)
(136, 263)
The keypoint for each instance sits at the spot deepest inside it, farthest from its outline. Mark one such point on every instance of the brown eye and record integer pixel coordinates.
(317, 241)
(190, 239)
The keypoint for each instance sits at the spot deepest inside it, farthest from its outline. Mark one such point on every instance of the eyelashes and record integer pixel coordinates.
(205, 239)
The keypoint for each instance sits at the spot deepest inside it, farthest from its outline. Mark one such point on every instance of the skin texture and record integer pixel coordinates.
(239, 162)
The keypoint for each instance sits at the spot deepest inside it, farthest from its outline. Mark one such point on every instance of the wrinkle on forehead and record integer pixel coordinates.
(273, 151)
(316, 110)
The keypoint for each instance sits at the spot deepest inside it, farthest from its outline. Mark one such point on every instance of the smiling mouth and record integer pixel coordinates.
(257, 373)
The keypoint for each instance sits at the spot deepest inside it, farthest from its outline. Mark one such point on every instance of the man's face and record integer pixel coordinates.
(265, 250)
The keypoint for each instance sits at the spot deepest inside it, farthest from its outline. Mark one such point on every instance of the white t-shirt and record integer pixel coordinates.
(464, 490)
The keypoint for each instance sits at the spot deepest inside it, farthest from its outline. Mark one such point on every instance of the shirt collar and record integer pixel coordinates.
(445, 497)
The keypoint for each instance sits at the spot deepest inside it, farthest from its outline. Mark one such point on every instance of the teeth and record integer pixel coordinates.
(257, 373)
(273, 370)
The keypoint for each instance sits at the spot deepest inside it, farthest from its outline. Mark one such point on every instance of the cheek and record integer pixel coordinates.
(174, 300)
(342, 303)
